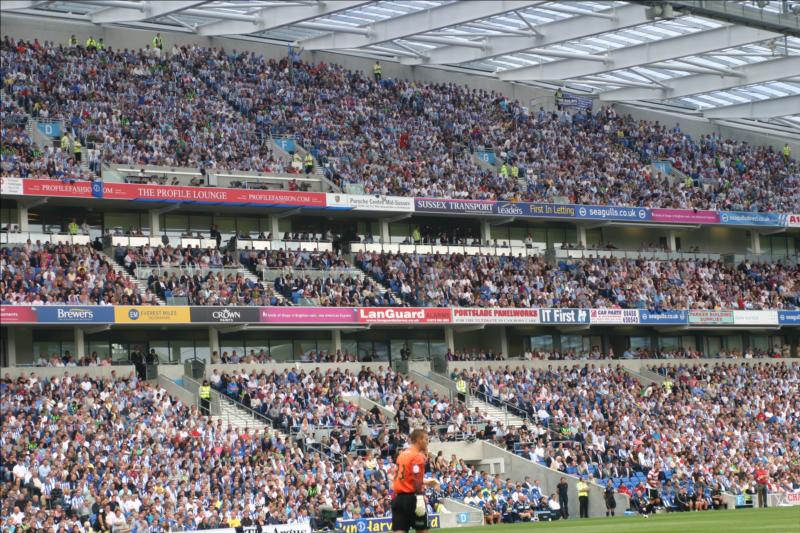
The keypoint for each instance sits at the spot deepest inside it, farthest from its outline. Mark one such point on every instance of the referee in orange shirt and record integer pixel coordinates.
(408, 506)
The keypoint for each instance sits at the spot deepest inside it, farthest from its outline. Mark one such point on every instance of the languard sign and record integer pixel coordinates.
(310, 316)
(10, 186)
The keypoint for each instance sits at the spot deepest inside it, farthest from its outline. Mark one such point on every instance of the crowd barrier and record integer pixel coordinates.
(299, 315)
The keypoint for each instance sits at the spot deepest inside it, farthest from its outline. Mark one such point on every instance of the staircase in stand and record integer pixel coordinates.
(233, 416)
(120, 271)
(494, 413)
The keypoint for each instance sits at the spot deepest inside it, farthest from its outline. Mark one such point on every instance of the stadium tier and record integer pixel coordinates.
(437, 265)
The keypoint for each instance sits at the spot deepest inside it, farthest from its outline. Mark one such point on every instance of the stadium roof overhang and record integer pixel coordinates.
(733, 60)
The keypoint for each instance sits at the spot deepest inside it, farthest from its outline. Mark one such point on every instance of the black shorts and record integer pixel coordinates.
(404, 516)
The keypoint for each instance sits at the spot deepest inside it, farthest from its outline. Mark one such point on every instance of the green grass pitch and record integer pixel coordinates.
(777, 520)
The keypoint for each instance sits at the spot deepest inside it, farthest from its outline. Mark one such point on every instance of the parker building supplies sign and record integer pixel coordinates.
(704, 317)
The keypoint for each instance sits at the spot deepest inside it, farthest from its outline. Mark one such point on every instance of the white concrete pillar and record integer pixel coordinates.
(386, 237)
(504, 342)
(336, 340)
(755, 242)
(155, 223)
(671, 243)
(22, 217)
(213, 181)
(274, 228)
(11, 346)
(581, 235)
(486, 231)
(449, 338)
(80, 346)
(213, 342)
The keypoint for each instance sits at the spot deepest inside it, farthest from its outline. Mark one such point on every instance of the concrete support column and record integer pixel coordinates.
(11, 346)
(755, 242)
(581, 235)
(671, 243)
(385, 235)
(336, 340)
(22, 217)
(274, 228)
(80, 346)
(213, 341)
(486, 231)
(504, 342)
(449, 338)
(155, 223)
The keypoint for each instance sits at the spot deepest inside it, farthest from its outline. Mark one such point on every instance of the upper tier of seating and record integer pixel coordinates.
(217, 109)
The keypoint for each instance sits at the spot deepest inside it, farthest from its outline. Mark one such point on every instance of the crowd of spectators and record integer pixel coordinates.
(120, 452)
(703, 427)
(677, 444)
(42, 274)
(137, 107)
(308, 400)
(211, 108)
(595, 353)
(45, 273)
(491, 281)
(21, 157)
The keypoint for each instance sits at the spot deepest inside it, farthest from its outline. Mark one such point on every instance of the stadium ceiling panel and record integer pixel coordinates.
(722, 59)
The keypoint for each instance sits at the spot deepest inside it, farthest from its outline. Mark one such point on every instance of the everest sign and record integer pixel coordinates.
(404, 315)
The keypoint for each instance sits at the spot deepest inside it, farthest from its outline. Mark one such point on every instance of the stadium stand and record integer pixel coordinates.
(235, 277)
(601, 413)
(399, 138)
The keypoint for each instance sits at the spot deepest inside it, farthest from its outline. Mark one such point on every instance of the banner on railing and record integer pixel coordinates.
(152, 314)
(75, 314)
(747, 218)
(564, 316)
(309, 315)
(783, 499)
(707, 317)
(459, 207)
(684, 216)
(755, 318)
(11, 186)
(17, 314)
(365, 202)
(304, 527)
(667, 318)
(469, 315)
(182, 194)
(361, 202)
(378, 525)
(614, 316)
(789, 318)
(404, 315)
(224, 315)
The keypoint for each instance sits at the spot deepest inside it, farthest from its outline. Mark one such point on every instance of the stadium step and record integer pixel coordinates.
(494, 413)
(120, 271)
(236, 417)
